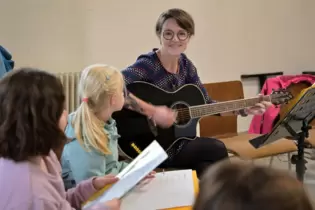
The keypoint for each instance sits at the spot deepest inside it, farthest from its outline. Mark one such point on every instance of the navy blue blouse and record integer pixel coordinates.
(148, 68)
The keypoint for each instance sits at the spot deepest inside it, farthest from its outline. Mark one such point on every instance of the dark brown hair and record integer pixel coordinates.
(31, 104)
(244, 186)
(182, 18)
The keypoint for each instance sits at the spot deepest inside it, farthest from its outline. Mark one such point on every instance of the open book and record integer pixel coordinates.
(146, 161)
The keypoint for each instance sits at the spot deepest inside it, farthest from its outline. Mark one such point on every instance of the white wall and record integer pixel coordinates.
(232, 36)
(45, 34)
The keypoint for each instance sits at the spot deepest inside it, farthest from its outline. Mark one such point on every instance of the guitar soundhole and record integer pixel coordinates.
(183, 114)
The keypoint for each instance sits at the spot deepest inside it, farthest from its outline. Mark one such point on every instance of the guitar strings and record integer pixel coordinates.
(184, 113)
(199, 110)
(233, 104)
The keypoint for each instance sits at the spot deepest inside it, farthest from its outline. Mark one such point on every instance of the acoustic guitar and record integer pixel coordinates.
(137, 131)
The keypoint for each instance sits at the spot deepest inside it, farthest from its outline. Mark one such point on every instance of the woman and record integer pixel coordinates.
(169, 68)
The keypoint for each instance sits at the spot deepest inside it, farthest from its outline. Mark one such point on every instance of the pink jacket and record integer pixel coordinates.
(262, 124)
(27, 186)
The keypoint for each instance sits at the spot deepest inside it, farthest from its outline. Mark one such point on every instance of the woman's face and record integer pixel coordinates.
(174, 39)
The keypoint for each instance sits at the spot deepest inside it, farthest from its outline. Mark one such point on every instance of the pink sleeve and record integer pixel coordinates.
(40, 204)
(76, 196)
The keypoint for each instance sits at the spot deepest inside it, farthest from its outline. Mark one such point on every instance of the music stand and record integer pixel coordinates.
(294, 125)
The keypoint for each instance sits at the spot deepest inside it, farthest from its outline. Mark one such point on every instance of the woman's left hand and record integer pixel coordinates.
(259, 108)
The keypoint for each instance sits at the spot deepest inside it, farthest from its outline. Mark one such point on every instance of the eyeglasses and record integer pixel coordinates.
(169, 35)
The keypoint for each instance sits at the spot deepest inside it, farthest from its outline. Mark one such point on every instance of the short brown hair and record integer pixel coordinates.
(31, 104)
(245, 186)
(182, 18)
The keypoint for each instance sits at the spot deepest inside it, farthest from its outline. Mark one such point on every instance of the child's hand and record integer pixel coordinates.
(109, 205)
(100, 182)
(113, 204)
(147, 179)
(150, 175)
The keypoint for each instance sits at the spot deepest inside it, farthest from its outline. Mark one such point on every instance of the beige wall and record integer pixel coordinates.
(232, 36)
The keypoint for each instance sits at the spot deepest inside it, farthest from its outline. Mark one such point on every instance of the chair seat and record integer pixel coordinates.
(228, 135)
(240, 146)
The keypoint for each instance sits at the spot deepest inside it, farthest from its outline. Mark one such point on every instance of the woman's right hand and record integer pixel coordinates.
(164, 116)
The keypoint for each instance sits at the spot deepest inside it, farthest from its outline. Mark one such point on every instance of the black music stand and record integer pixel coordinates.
(294, 125)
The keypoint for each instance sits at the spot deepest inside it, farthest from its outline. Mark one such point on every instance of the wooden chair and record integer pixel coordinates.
(221, 127)
(241, 147)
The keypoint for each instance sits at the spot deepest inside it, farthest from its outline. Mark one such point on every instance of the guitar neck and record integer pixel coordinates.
(221, 107)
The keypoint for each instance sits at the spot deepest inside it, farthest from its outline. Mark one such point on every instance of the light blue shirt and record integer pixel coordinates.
(79, 164)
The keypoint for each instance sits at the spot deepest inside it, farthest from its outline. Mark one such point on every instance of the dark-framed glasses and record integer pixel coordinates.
(181, 35)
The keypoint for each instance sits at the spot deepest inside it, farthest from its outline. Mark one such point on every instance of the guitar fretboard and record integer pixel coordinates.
(221, 107)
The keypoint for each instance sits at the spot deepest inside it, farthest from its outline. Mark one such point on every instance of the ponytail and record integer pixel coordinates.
(97, 84)
(89, 130)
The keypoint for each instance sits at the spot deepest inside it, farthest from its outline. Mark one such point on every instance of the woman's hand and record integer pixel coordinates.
(163, 116)
(259, 108)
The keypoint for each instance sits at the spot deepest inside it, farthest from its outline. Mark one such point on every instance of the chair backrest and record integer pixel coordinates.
(217, 126)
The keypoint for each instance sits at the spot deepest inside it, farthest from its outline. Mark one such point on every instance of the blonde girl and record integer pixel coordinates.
(93, 149)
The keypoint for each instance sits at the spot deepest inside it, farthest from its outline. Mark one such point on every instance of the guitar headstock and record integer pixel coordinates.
(281, 96)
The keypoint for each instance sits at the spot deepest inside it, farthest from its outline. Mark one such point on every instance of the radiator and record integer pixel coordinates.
(70, 81)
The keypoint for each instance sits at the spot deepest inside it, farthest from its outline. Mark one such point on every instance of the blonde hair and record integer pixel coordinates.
(97, 84)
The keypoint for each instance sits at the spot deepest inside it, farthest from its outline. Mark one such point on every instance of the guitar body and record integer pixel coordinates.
(137, 132)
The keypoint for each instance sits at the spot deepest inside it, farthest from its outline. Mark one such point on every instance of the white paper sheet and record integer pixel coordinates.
(167, 190)
(143, 164)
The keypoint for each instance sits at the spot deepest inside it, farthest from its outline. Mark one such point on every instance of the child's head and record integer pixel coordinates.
(244, 186)
(32, 115)
(101, 90)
